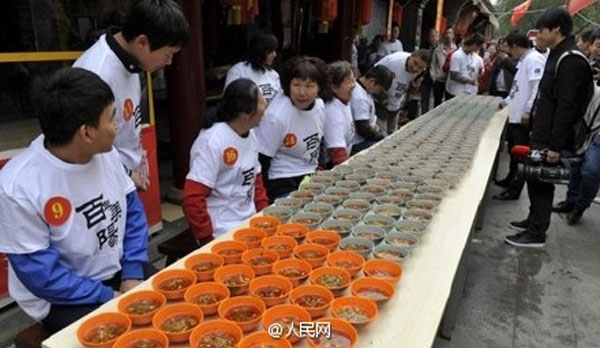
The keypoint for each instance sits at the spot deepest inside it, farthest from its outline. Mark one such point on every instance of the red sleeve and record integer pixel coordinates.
(337, 155)
(260, 194)
(195, 210)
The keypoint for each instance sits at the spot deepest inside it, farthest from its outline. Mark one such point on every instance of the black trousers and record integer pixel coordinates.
(426, 89)
(439, 89)
(61, 316)
(540, 207)
(365, 144)
(277, 188)
(516, 134)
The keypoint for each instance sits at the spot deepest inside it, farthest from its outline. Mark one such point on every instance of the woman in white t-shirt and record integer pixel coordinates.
(291, 132)
(224, 186)
(339, 124)
(258, 67)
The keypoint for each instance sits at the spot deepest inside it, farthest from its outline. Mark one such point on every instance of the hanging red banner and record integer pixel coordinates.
(577, 5)
(519, 12)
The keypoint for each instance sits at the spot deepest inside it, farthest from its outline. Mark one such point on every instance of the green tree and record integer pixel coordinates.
(504, 12)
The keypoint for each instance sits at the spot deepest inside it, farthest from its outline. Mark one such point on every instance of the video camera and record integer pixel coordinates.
(535, 167)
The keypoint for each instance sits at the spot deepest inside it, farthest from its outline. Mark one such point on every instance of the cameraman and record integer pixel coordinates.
(564, 93)
(585, 181)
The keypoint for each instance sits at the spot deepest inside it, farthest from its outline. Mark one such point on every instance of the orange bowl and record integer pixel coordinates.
(286, 312)
(327, 238)
(145, 297)
(284, 246)
(341, 331)
(234, 306)
(316, 310)
(250, 236)
(258, 339)
(272, 282)
(375, 289)
(132, 338)
(230, 250)
(261, 260)
(348, 260)
(294, 230)
(344, 307)
(314, 254)
(97, 322)
(204, 265)
(173, 313)
(226, 275)
(266, 223)
(384, 269)
(215, 327)
(316, 278)
(297, 271)
(217, 290)
(173, 282)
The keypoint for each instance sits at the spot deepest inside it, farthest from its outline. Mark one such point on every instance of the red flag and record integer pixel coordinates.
(578, 5)
(519, 12)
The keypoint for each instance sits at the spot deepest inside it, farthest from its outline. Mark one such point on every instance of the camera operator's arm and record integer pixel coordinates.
(573, 73)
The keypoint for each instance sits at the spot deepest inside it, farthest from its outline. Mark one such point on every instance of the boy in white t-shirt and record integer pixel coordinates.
(405, 66)
(372, 84)
(530, 70)
(466, 66)
(153, 32)
(71, 222)
(258, 67)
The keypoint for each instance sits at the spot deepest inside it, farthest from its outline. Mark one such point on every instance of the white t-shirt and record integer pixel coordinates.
(468, 65)
(79, 209)
(292, 137)
(101, 60)
(396, 62)
(387, 48)
(228, 164)
(522, 93)
(268, 81)
(339, 126)
(363, 109)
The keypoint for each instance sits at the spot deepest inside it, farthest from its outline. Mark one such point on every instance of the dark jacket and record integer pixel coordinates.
(562, 100)
(507, 66)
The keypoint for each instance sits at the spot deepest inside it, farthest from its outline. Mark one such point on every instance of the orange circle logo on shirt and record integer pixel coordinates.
(230, 156)
(128, 109)
(57, 211)
(290, 140)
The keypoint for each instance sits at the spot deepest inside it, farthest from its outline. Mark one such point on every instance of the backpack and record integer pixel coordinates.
(446, 66)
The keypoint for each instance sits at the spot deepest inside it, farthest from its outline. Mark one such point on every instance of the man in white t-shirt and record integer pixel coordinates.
(466, 66)
(153, 32)
(392, 45)
(373, 83)
(71, 222)
(405, 67)
(530, 70)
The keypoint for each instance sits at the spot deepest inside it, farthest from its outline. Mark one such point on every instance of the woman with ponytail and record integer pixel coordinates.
(224, 186)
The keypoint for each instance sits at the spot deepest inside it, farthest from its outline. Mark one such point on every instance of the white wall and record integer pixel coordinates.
(378, 19)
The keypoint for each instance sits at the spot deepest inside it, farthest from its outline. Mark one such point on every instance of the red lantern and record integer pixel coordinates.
(325, 10)
(241, 11)
(363, 11)
(397, 15)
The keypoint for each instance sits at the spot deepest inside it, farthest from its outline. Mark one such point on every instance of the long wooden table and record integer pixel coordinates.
(412, 317)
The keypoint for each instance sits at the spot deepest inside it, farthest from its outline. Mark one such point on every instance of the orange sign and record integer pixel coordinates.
(230, 156)
(290, 140)
(57, 211)
(128, 109)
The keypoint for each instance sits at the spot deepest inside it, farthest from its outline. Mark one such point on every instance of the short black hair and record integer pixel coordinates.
(474, 39)
(336, 74)
(260, 45)
(556, 17)
(595, 35)
(518, 38)
(586, 36)
(382, 74)
(312, 68)
(69, 99)
(423, 54)
(240, 96)
(162, 21)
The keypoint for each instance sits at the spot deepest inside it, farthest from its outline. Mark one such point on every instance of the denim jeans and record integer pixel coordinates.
(585, 181)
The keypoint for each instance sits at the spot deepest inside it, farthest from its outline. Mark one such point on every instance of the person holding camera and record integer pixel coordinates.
(564, 93)
(520, 101)
(585, 182)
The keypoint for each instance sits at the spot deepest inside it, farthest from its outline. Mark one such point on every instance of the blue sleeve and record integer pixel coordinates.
(135, 242)
(44, 276)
